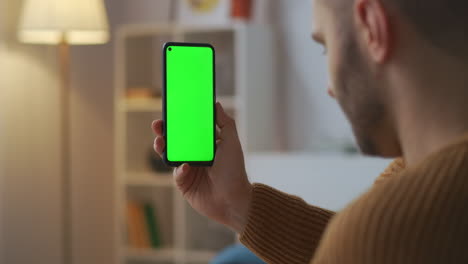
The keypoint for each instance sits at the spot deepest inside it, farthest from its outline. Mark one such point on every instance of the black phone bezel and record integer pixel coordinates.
(164, 110)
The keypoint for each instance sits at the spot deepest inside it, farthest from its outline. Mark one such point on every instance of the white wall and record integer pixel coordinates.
(92, 148)
(2, 118)
(312, 118)
(328, 181)
(30, 192)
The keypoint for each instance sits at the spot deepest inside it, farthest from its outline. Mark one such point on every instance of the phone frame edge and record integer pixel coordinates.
(164, 110)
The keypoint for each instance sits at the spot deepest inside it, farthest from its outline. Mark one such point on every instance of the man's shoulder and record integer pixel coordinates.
(420, 214)
(443, 171)
(434, 189)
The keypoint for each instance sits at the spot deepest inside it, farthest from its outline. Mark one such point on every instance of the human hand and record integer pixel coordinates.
(221, 192)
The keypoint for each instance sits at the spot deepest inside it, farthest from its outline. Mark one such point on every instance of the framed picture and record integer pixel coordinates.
(204, 12)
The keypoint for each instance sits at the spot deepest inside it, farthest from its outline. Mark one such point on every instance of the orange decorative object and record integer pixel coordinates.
(241, 9)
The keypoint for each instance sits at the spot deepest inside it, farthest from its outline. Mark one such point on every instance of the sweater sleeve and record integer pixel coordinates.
(282, 228)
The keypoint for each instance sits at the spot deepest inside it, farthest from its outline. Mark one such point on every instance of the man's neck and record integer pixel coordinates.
(430, 111)
(419, 144)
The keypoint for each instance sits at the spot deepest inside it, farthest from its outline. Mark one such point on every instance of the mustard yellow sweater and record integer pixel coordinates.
(414, 215)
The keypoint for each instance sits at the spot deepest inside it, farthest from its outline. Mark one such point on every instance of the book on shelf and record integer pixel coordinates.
(152, 224)
(142, 226)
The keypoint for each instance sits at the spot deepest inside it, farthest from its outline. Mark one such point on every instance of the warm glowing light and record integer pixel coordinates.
(78, 22)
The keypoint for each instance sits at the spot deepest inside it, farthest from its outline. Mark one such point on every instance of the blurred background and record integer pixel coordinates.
(80, 83)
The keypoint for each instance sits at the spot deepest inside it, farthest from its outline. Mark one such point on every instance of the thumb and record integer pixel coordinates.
(182, 177)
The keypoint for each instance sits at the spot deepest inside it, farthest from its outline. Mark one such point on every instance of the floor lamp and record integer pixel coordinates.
(64, 23)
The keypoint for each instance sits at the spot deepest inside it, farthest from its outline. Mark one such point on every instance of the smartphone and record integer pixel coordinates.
(189, 104)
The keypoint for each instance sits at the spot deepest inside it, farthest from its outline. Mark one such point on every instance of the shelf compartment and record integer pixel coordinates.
(139, 141)
(161, 199)
(149, 179)
(143, 68)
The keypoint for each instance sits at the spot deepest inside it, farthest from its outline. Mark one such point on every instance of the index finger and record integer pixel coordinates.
(222, 119)
(157, 127)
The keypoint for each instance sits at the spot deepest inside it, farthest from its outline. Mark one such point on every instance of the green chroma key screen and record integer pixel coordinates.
(189, 95)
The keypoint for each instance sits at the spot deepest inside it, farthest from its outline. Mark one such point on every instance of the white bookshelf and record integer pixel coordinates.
(246, 88)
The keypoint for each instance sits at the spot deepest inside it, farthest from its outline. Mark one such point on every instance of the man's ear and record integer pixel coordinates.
(373, 25)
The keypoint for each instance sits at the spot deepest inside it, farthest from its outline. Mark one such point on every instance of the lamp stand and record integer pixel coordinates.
(64, 64)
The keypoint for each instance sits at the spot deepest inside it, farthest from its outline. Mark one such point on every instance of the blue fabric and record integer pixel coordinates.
(236, 254)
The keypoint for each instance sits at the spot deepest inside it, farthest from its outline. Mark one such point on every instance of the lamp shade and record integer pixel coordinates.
(78, 22)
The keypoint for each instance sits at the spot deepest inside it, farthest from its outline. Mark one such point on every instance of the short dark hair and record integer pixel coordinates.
(444, 23)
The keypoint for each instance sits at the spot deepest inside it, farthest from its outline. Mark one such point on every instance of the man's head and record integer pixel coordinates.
(366, 39)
